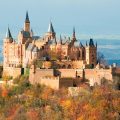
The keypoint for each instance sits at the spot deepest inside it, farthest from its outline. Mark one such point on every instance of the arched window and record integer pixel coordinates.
(69, 66)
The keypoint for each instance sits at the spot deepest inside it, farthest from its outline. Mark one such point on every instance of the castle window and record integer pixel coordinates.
(79, 54)
(63, 66)
(83, 54)
(69, 66)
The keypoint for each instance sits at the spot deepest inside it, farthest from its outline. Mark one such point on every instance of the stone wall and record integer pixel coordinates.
(68, 77)
(67, 73)
(80, 64)
(52, 82)
(11, 71)
(44, 72)
(95, 75)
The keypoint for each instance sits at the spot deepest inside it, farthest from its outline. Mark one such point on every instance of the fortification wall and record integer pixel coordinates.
(52, 82)
(67, 73)
(11, 71)
(44, 72)
(46, 76)
(95, 75)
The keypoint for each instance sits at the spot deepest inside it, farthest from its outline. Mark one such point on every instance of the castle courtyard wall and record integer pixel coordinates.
(68, 77)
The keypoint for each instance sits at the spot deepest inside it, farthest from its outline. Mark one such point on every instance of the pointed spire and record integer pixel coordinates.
(50, 28)
(8, 34)
(96, 44)
(60, 40)
(27, 17)
(86, 43)
(91, 43)
(32, 33)
(81, 45)
(73, 30)
(74, 35)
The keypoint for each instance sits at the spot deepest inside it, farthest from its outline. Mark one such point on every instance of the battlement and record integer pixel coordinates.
(78, 64)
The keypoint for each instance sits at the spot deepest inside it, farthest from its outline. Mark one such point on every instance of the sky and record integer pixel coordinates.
(91, 18)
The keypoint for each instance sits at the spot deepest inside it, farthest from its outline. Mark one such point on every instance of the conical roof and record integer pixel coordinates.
(27, 17)
(50, 28)
(91, 43)
(8, 34)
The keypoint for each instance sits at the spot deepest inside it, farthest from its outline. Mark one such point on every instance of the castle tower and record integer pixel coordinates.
(51, 33)
(27, 23)
(91, 54)
(8, 36)
(7, 42)
(25, 34)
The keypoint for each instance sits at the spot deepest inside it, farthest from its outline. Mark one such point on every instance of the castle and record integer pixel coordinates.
(63, 54)
(30, 47)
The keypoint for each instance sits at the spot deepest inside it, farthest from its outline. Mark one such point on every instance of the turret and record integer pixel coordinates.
(96, 44)
(9, 36)
(31, 33)
(51, 33)
(74, 35)
(50, 28)
(27, 23)
(6, 51)
(60, 40)
(73, 38)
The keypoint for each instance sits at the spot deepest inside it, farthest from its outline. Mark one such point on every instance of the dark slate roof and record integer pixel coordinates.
(8, 34)
(35, 37)
(25, 34)
(81, 45)
(27, 17)
(91, 43)
(50, 28)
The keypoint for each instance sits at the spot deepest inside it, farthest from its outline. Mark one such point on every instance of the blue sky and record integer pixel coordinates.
(92, 18)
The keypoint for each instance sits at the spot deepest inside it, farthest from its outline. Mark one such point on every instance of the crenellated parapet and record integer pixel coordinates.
(78, 64)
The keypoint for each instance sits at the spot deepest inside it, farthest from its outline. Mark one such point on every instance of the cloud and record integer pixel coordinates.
(98, 36)
(109, 47)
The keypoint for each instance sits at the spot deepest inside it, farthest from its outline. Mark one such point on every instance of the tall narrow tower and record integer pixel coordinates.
(27, 23)
(73, 38)
(7, 42)
(74, 35)
(91, 54)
